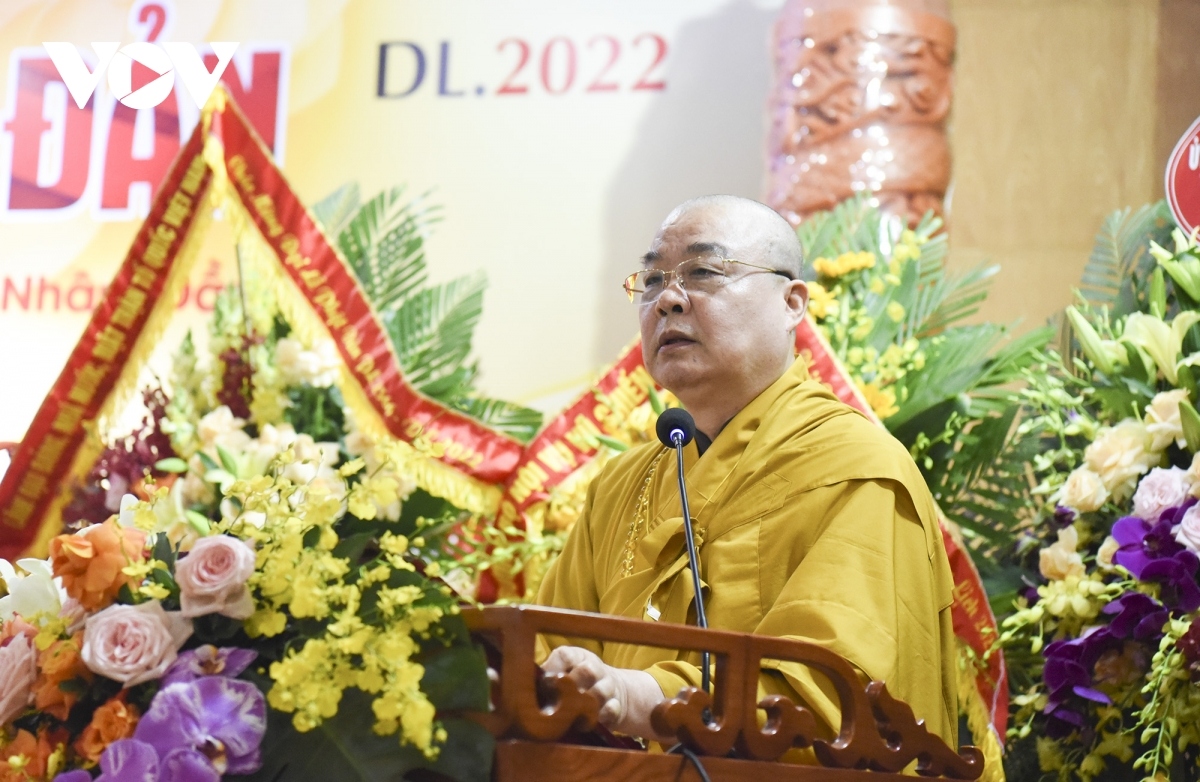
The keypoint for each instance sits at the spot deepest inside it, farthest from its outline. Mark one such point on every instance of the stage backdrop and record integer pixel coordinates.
(555, 135)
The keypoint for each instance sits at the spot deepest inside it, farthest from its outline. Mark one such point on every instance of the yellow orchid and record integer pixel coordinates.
(1162, 342)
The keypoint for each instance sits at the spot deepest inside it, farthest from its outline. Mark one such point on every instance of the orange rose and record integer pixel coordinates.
(35, 749)
(90, 562)
(112, 721)
(57, 664)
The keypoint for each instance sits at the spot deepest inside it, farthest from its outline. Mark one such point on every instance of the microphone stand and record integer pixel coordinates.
(689, 538)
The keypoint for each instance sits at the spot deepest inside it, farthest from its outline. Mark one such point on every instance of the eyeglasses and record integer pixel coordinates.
(706, 274)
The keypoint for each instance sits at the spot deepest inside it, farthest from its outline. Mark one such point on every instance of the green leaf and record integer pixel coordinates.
(334, 211)
(456, 679)
(432, 330)
(171, 464)
(468, 751)
(656, 403)
(1121, 256)
(342, 748)
(614, 444)
(208, 462)
(199, 522)
(228, 460)
(1191, 425)
(384, 244)
(521, 423)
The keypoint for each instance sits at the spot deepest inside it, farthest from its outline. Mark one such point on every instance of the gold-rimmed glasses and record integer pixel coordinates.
(706, 274)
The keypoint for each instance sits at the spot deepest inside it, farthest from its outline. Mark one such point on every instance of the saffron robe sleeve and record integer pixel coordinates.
(812, 524)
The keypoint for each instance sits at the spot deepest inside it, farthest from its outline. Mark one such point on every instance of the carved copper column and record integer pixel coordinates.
(862, 91)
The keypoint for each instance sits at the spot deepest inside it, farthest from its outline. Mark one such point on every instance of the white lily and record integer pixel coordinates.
(1162, 342)
(34, 594)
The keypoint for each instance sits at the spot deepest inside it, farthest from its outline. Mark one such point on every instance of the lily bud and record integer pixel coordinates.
(1184, 269)
(1158, 294)
(1091, 343)
(1190, 419)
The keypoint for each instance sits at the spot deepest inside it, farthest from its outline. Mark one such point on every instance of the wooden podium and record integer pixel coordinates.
(537, 718)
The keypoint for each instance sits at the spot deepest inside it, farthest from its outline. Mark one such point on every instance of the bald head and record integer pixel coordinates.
(760, 233)
(716, 344)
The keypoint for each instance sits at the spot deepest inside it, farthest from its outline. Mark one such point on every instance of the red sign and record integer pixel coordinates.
(1183, 179)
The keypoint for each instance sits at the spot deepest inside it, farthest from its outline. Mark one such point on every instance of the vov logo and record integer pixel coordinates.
(167, 60)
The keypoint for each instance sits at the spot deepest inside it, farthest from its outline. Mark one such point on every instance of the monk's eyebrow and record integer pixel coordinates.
(693, 249)
(708, 248)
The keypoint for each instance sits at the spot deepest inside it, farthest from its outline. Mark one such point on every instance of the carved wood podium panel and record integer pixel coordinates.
(540, 718)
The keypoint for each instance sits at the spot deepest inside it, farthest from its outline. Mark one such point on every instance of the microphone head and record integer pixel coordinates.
(675, 419)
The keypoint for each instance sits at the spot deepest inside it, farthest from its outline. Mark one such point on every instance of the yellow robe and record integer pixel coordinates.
(812, 522)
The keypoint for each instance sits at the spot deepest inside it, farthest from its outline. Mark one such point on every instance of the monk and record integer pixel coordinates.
(812, 522)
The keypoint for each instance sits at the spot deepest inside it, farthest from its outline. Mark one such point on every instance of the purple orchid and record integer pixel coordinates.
(1141, 543)
(1068, 677)
(130, 760)
(1063, 517)
(221, 718)
(1137, 616)
(1177, 575)
(208, 660)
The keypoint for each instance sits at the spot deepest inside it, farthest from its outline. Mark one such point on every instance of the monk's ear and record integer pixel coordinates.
(796, 302)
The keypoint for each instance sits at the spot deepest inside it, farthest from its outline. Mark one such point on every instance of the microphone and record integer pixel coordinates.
(676, 428)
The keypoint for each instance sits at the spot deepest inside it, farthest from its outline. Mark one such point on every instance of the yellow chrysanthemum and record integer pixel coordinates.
(821, 302)
(881, 400)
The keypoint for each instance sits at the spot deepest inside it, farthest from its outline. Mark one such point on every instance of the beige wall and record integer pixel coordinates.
(1064, 111)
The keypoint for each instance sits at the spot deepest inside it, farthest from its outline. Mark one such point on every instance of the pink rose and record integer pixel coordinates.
(18, 672)
(1188, 531)
(1161, 489)
(212, 578)
(133, 644)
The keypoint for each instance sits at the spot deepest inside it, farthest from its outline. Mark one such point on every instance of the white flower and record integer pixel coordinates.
(221, 427)
(1119, 455)
(1083, 491)
(314, 466)
(316, 367)
(1060, 560)
(1188, 531)
(1161, 489)
(1163, 421)
(1107, 549)
(34, 595)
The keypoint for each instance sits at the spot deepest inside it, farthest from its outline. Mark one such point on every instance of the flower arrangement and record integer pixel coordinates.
(881, 295)
(1103, 644)
(248, 583)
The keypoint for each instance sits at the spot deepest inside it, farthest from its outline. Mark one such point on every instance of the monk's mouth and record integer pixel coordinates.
(675, 342)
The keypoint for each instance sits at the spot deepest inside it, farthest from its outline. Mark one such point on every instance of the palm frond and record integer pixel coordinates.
(1120, 256)
(384, 243)
(851, 226)
(335, 210)
(432, 329)
(514, 420)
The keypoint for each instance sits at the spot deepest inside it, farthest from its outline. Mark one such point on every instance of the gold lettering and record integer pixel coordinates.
(193, 177)
(351, 342)
(19, 513)
(86, 382)
(129, 307)
(48, 453)
(160, 246)
(583, 434)
(67, 419)
(558, 457)
(265, 206)
(177, 210)
(108, 343)
(144, 277)
(530, 478)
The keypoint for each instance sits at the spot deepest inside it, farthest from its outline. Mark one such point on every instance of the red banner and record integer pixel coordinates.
(62, 422)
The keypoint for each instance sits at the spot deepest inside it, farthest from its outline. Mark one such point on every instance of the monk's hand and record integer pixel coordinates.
(626, 696)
